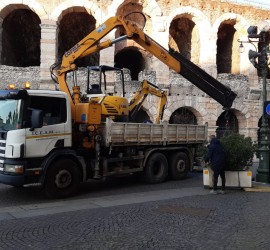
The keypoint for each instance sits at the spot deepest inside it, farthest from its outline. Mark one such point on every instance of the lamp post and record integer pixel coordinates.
(259, 59)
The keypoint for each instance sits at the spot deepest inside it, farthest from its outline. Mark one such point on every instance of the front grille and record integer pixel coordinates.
(2, 148)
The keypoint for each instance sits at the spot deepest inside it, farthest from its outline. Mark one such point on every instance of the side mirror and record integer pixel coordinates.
(36, 119)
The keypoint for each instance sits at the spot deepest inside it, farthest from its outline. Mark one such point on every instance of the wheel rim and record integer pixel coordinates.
(181, 166)
(63, 179)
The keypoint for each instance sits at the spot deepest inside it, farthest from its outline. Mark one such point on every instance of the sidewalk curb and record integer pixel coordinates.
(69, 205)
(258, 187)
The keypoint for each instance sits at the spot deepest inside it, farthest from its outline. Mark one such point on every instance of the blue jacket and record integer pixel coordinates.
(215, 155)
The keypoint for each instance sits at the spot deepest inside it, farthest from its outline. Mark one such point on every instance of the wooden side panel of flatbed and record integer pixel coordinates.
(124, 134)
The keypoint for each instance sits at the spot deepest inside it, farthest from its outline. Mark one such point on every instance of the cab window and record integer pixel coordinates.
(54, 109)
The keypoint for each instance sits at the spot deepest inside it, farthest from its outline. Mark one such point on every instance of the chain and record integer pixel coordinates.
(227, 125)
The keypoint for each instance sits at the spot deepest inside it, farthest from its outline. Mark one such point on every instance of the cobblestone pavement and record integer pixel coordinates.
(236, 220)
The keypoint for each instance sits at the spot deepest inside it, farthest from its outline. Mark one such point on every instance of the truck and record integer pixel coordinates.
(60, 138)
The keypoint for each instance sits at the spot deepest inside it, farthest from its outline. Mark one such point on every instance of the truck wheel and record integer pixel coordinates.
(62, 179)
(179, 166)
(156, 169)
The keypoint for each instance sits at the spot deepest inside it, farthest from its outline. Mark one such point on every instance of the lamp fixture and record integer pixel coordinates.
(241, 48)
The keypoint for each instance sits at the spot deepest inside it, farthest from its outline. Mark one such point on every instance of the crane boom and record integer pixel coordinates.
(92, 43)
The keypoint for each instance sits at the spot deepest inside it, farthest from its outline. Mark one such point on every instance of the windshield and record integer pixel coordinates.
(10, 114)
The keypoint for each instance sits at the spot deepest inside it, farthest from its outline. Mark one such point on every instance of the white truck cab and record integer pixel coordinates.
(32, 124)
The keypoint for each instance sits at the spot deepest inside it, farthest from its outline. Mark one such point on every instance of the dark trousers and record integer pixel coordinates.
(218, 172)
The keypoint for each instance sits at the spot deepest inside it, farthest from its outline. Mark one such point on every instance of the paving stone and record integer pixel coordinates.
(237, 220)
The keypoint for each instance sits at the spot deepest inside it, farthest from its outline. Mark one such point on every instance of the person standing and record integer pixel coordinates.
(216, 157)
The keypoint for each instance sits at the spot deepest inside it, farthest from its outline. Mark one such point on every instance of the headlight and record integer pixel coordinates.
(16, 169)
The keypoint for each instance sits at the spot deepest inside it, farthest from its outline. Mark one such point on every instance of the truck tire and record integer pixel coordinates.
(179, 166)
(62, 179)
(156, 169)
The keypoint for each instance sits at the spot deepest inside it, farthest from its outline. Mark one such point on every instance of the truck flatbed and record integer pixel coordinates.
(128, 134)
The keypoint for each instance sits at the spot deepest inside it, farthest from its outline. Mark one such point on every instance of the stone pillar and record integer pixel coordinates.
(48, 51)
(208, 53)
(106, 56)
(253, 78)
(161, 37)
(162, 73)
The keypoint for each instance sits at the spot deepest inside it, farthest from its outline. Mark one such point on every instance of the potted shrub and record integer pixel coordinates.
(239, 152)
(200, 152)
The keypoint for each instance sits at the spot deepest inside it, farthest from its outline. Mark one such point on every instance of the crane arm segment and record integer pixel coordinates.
(92, 43)
(138, 98)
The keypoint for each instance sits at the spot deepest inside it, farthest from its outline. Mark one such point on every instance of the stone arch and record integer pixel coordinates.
(183, 34)
(132, 58)
(142, 116)
(21, 36)
(241, 23)
(197, 109)
(201, 21)
(227, 122)
(74, 25)
(150, 108)
(128, 7)
(150, 7)
(31, 5)
(93, 9)
(144, 22)
(227, 53)
(183, 115)
(242, 114)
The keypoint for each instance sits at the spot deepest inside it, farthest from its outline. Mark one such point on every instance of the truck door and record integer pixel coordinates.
(53, 134)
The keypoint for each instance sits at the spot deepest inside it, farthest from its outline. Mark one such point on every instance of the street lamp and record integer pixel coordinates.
(241, 47)
(259, 60)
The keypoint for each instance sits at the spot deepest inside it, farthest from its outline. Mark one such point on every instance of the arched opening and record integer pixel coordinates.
(141, 117)
(227, 123)
(224, 58)
(132, 59)
(131, 10)
(73, 27)
(184, 33)
(21, 39)
(183, 116)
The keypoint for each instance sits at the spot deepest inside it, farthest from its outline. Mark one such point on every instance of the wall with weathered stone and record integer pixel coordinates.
(18, 76)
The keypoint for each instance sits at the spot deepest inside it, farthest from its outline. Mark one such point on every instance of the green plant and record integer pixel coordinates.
(201, 150)
(239, 151)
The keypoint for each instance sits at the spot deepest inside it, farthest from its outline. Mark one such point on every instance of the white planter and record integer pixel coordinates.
(241, 179)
